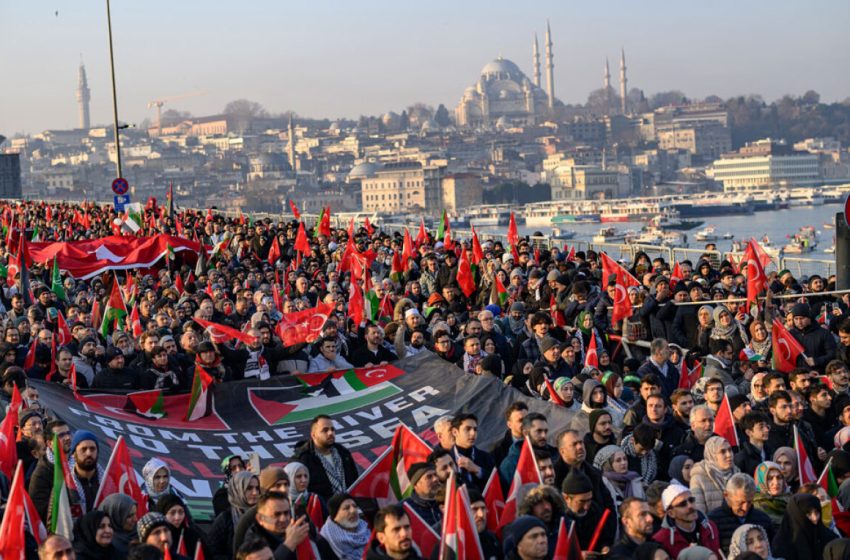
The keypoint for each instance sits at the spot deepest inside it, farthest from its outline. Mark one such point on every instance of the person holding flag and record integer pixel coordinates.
(818, 343)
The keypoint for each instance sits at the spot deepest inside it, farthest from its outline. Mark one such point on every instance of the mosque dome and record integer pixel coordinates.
(503, 69)
(363, 170)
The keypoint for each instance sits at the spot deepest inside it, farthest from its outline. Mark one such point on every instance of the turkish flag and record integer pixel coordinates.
(756, 278)
(303, 326)
(624, 280)
(423, 536)
(526, 472)
(274, 252)
(513, 234)
(786, 348)
(804, 464)
(356, 304)
(12, 544)
(120, 478)
(422, 235)
(460, 538)
(592, 358)
(223, 333)
(407, 250)
(301, 243)
(294, 209)
(464, 275)
(724, 423)
(63, 333)
(495, 501)
(676, 276)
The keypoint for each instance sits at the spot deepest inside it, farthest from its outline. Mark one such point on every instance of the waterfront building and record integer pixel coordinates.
(766, 164)
(403, 187)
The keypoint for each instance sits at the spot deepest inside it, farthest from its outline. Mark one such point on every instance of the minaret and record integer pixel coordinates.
(536, 57)
(291, 144)
(623, 88)
(606, 86)
(83, 97)
(550, 68)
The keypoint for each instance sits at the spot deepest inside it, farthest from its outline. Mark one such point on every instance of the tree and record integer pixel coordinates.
(245, 109)
(601, 102)
(665, 98)
(811, 97)
(442, 116)
(172, 116)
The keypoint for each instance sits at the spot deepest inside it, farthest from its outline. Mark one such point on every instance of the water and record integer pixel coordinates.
(776, 225)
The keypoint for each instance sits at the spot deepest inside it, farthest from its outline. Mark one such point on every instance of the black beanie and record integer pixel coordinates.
(336, 502)
(517, 530)
(576, 483)
(416, 470)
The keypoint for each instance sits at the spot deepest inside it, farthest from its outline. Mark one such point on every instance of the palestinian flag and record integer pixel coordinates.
(115, 311)
(35, 236)
(499, 294)
(133, 218)
(149, 404)
(59, 518)
(373, 304)
(200, 402)
(56, 281)
(443, 227)
(827, 480)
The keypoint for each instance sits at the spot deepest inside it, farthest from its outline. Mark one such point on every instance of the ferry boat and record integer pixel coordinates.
(671, 218)
(562, 234)
(576, 219)
(805, 197)
(708, 233)
(484, 216)
(804, 241)
(609, 235)
(634, 211)
(699, 207)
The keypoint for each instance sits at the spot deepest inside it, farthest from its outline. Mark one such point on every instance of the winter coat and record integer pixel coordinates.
(672, 540)
(818, 343)
(306, 454)
(727, 522)
(706, 488)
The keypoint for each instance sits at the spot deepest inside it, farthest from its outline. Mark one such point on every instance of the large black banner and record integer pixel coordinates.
(269, 418)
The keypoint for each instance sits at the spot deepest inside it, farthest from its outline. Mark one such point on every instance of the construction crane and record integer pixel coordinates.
(158, 103)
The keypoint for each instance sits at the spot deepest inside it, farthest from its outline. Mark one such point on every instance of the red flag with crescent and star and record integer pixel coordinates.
(786, 348)
(624, 280)
(120, 478)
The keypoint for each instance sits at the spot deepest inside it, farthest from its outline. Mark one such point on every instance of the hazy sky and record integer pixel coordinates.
(353, 57)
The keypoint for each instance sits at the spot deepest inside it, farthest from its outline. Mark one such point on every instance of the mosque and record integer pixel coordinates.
(503, 96)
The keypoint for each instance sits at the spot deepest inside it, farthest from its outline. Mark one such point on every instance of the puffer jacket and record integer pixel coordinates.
(672, 540)
(706, 489)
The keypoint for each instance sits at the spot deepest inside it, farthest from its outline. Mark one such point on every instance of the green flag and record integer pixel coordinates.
(441, 229)
(56, 281)
(59, 520)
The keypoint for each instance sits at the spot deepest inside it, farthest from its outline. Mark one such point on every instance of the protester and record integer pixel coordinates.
(801, 534)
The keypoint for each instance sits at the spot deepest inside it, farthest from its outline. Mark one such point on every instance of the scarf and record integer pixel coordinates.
(623, 481)
(515, 326)
(236, 494)
(332, 463)
(79, 485)
(738, 544)
(255, 365)
(717, 475)
(648, 462)
(164, 379)
(761, 348)
(346, 544)
(291, 469)
(469, 363)
(149, 471)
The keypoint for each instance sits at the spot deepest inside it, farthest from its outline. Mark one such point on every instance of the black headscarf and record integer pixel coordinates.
(85, 531)
(798, 538)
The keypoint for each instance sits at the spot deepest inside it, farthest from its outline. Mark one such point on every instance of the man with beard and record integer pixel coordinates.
(544, 503)
(601, 433)
(87, 474)
(535, 427)
(122, 341)
(638, 527)
(116, 376)
(546, 466)
(423, 500)
(489, 542)
(330, 465)
(393, 536)
(473, 463)
(585, 513)
(667, 430)
(443, 463)
(684, 525)
(86, 362)
(572, 458)
(273, 524)
(41, 482)
(702, 428)
(345, 532)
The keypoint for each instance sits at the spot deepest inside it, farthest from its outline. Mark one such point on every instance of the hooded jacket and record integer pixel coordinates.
(671, 538)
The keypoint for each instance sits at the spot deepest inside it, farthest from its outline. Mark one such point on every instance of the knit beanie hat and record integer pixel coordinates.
(148, 523)
(517, 530)
(270, 476)
(83, 435)
(417, 470)
(594, 417)
(576, 483)
(336, 502)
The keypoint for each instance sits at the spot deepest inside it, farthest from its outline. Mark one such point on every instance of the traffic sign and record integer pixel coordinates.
(120, 186)
(120, 201)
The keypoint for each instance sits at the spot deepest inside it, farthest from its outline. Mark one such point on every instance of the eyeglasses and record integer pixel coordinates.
(685, 502)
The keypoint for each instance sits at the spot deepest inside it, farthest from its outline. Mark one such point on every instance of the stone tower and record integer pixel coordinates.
(83, 98)
(623, 85)
(550, 68)
(606, 86)
(536, 60)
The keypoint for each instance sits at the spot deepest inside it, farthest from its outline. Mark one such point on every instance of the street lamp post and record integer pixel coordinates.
(114, 92)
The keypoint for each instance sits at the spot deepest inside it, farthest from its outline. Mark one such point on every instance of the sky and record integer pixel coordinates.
(349, 58)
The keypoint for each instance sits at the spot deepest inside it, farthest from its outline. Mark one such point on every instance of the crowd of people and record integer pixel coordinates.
(638, 471)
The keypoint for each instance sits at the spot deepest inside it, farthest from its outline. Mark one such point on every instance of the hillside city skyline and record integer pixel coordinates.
(144, 76)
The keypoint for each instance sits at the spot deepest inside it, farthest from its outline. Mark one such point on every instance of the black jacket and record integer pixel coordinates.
(601, 495)
(363, 356)
(669, 382)
(748, 458)
(306, 454)
(818, 343)
(428, 510)
(727, 522)
(690, 447)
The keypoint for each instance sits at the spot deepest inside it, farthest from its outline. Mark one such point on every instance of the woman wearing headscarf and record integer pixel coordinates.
(750, 538)
(183, 528)
(157, 477)
(727, 327)
(709, 476)
(679, 470)
(299, 495)
(585, 331)
(613, 384)
(760, 342)
(802, 535)
(772, 491)
(242, 494)
(121, 510)
(566, 392)
(618, 479)
(758, 392)
(93, 537)
(786, 458)
(344, 530)
(705, 319)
